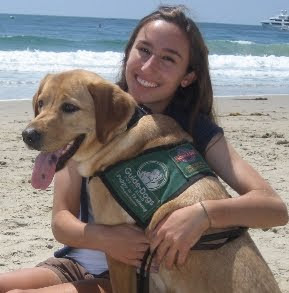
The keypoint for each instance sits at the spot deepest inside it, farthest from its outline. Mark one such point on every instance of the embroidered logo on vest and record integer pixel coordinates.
(153, 174)
(185, 155)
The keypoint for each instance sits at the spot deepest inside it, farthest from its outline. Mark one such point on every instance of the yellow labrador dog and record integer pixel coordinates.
(81, 116)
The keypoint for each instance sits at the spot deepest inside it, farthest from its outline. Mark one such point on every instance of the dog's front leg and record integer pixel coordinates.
(122, 276)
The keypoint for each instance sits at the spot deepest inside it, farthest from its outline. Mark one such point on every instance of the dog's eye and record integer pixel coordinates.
(40, 104)
(69, 108)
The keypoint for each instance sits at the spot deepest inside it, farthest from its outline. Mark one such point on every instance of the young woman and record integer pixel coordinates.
(165, 67)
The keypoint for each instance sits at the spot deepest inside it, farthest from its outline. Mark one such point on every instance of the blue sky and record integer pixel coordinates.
(222, 11)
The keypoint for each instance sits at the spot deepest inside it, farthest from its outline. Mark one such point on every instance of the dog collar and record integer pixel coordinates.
(140, 111)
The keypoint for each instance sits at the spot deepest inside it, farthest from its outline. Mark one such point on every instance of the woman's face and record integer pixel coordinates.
(157, 64)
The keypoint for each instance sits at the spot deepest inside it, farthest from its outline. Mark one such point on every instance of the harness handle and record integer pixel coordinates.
(229, 235)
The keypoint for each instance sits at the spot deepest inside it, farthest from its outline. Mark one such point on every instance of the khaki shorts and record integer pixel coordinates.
(69, 270)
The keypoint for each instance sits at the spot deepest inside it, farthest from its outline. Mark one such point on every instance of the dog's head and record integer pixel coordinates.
(76, 113)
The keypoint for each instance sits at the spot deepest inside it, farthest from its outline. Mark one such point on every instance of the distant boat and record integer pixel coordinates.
(11, 16)
(279, 22)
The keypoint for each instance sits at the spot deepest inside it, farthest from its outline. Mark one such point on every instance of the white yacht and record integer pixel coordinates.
(279, 22)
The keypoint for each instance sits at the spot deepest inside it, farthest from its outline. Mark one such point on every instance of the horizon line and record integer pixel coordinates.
(102, 17)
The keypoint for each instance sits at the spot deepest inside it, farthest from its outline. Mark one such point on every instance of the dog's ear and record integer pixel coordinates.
(113, 108)
(35, 97)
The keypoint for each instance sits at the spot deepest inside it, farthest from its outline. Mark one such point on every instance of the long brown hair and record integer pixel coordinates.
(197, 97)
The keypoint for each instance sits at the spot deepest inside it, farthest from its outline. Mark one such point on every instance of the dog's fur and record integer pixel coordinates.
(105, 111)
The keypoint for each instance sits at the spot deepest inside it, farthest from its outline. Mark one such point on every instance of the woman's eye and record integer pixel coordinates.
(69, 108)
(168, 58)
(144, 50)
(40, 104)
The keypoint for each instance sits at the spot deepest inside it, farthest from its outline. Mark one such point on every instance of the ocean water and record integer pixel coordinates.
(244, 59)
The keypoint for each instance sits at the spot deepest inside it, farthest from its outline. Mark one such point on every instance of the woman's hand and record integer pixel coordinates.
(126, 243)
(177, 233)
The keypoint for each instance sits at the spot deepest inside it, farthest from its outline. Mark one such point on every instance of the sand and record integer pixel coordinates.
(257, 128)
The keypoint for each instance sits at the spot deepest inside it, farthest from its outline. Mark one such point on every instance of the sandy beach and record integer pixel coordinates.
(258, 127)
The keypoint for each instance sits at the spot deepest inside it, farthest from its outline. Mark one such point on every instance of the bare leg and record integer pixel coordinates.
(85, 286)
(28, 279)
(42, 280)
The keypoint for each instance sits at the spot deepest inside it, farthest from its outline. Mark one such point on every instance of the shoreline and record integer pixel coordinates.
(258, 129)
(231, 97)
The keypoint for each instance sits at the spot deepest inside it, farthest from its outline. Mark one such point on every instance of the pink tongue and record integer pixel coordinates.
(44, 169)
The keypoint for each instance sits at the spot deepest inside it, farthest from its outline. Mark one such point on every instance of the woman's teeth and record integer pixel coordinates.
(146, 83)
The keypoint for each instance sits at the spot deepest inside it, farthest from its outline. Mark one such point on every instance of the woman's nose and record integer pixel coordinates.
(151, 64)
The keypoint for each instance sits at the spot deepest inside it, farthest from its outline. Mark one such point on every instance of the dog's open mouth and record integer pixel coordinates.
(47, 164)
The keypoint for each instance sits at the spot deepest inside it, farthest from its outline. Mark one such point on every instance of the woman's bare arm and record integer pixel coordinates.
(259, 205)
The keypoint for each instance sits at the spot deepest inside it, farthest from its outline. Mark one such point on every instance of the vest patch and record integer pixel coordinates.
(142, 184)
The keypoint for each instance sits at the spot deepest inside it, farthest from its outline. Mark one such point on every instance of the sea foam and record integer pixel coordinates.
(109, 62)
(230, 73)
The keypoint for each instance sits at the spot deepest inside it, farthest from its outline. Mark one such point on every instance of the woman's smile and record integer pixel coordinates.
(146, 83)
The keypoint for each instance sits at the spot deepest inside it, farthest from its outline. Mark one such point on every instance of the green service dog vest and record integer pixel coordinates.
(142, 184)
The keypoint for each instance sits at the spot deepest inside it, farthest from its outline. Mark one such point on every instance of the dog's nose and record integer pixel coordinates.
(32, 138)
